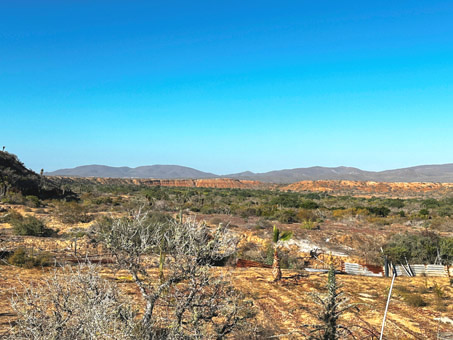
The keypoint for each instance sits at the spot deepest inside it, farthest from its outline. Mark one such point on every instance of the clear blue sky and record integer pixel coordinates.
(227, 86)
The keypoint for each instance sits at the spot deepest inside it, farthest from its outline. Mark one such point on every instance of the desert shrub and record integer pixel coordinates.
(287, 200)
(10, 216)
(287, 216)
(248, 212)
(309, 225)
(72, 212)
(158, 217)
(419, 248)
(339, 213)
(446, 249)
(445, 211)
(414, 300)
(13, 198)
(31, 226)
(430, 203)
(73, 304)
(313, 196)
(75, 233)
(308, 204)
(440, 224)
(32, 201)
(379, 211)
(156, 194)
(193, 302)
(394, 203)
(22, 258)
(306, 215)
(266, 211)
(107, 200)
(357, 212)
(424, 213)
(208, 209)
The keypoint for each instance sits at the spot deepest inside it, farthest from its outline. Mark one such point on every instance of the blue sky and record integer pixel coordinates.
(227, 86)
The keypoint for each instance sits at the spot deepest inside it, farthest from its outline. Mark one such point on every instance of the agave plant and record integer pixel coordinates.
(277, 238)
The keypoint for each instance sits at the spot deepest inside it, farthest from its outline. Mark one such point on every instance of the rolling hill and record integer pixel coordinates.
(150, 171)
(423, 173)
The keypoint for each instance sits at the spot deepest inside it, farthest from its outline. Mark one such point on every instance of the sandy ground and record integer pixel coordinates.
(286, 306)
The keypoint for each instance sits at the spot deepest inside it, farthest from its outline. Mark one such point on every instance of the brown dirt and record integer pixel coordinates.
(286, 306)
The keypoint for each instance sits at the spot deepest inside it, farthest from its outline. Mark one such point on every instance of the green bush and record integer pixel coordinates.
(395, 203)
(287, 200)
(72, 212)
(287, 216)
(13, 198)
(430, 203)
(31, 226)
(424, 212)
(33, 201)
(22, 258)
(379, 211)
(308, 204)
(419, 248)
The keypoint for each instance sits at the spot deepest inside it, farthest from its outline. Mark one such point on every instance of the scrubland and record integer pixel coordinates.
(38, 237)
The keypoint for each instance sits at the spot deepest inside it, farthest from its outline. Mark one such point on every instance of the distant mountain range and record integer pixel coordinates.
(422, 173)
(150, 171)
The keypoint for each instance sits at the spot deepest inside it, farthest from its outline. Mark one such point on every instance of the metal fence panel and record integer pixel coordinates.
(417, 270)
(357, 269)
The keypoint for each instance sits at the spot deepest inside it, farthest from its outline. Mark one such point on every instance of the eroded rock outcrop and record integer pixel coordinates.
(226, 183)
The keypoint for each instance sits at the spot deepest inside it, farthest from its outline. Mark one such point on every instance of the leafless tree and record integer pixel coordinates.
(189, 299)
(72, 304)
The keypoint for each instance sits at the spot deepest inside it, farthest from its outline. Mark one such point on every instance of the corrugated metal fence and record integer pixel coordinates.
(364, 270)
(423, 270)
(416, 269)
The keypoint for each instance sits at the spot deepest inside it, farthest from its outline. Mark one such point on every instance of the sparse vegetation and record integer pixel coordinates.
(331, 307)
(187, 300)
(23, 258)
(73, 304)
(31, 226)
(178, 263)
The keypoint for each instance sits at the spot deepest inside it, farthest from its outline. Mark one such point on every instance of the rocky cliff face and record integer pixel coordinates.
(333, 187)
(226, 183)
(371, 188)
